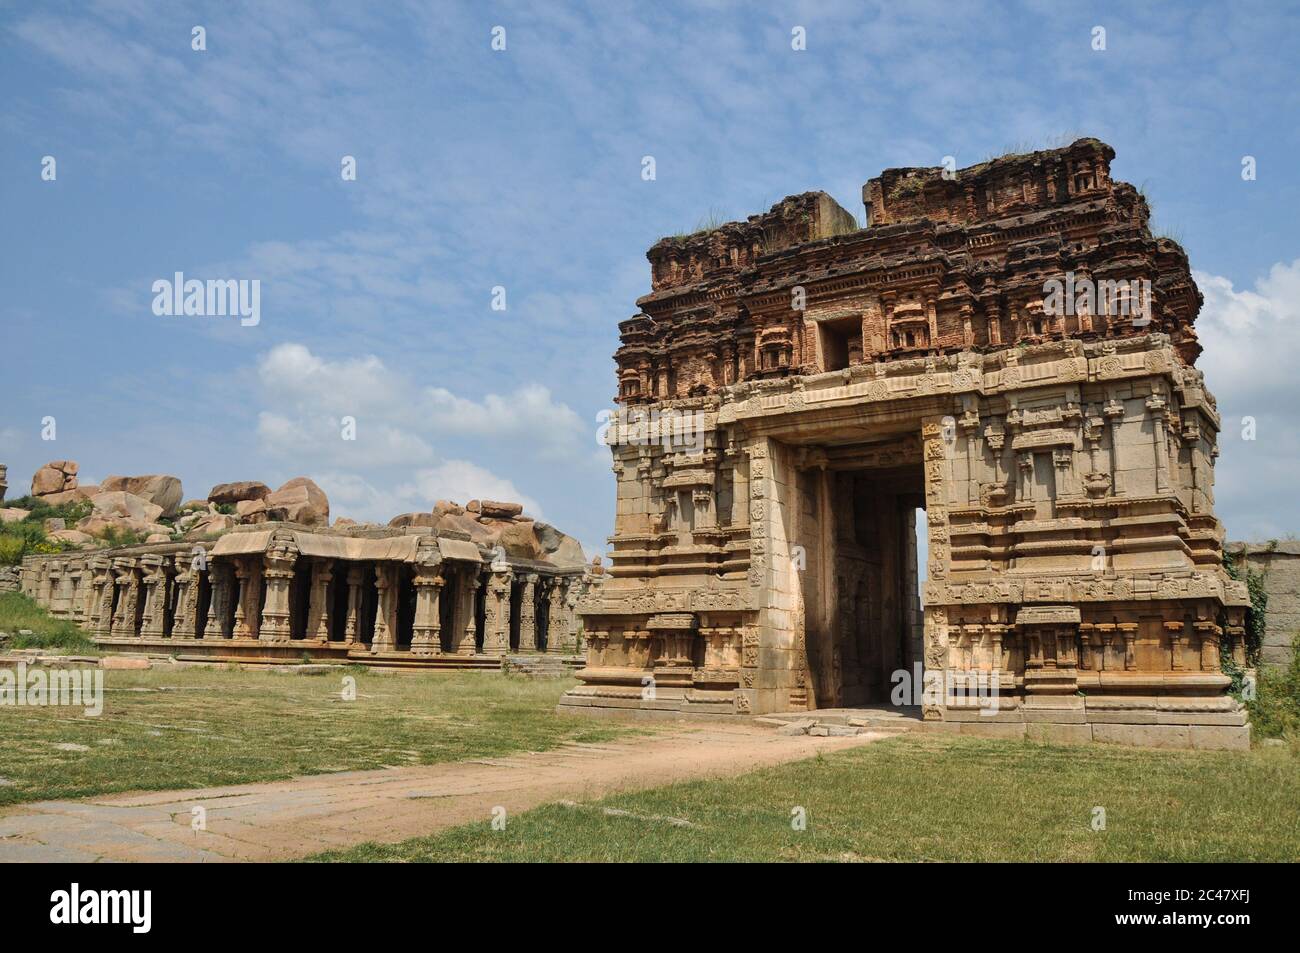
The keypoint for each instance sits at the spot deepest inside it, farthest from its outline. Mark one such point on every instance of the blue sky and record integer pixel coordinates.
(522, 169)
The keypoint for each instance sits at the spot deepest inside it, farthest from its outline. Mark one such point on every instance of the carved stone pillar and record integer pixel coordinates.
(528, 615)
(352, 626)
(1174, 632)
(155, 596)
(1106, 631)
(1237, 636)
(127, 580)
(496, 623)
(468, 629)
(277, 573)
(248, 572)
(105, 584)
(1128, 631)
(1210, 633)
(318, 609)
(558, 636)
(426, 633)
(221, 578)
(997, 636)
(385, 639)
(184, 584)
(1087, 636)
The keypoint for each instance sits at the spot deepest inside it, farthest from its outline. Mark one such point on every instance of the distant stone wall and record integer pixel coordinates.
(1279, 563)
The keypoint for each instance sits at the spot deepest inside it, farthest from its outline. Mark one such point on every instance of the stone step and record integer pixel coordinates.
(844, 721)
(540, 666)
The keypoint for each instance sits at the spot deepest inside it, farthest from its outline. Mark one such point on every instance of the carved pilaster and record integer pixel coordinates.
(1128, 632)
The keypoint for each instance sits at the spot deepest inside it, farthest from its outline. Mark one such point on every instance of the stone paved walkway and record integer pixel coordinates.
(280, 820)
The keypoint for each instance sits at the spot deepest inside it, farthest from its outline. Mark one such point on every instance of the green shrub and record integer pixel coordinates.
(112, 536)
(1256, 612)
(12, 550)
(1275, 709)
(18, 612)
(26, 538)
(38, 510)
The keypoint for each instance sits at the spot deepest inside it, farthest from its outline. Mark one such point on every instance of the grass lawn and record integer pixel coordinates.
(17, 613)
(195, 727)
(918, 798)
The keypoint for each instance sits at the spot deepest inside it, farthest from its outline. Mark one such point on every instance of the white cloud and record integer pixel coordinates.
(1251, 338)
(1252, 342)
(399, 460)
(461, 481)
(355, 496)
(397, 421)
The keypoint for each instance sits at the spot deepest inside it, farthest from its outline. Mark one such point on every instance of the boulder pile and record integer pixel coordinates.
(150, 506)
(56, 483)
(162, 491)
(495, 524)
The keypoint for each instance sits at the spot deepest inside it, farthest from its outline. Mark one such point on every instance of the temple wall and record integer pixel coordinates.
(1279, 564)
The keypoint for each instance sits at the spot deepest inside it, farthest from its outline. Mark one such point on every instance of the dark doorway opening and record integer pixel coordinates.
(856, 526)
(405, 607)
(516, 601)
(203, 604)
(480, 618)
(543, 616)
(447, 611)
(367, 604)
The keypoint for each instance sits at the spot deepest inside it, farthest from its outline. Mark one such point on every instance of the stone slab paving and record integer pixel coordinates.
(281, 820)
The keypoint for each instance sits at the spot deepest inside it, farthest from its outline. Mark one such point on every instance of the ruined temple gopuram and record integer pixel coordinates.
(1006, 348)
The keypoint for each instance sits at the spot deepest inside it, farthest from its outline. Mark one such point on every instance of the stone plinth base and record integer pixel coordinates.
(1217, 723)
(1214, 723)
(260, 652)
(663, 701)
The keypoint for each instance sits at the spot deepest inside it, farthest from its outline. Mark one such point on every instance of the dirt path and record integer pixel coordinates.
(280, 820)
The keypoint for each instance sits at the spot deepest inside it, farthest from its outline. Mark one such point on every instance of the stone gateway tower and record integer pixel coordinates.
(1005, 352)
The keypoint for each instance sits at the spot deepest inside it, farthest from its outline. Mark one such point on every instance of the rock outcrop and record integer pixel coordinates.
(494, 524)
(238, 492)
(161, 490)
(55, 477)
(302, 501)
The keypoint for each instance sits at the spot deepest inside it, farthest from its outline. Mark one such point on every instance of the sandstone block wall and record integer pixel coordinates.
(1279, 563)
